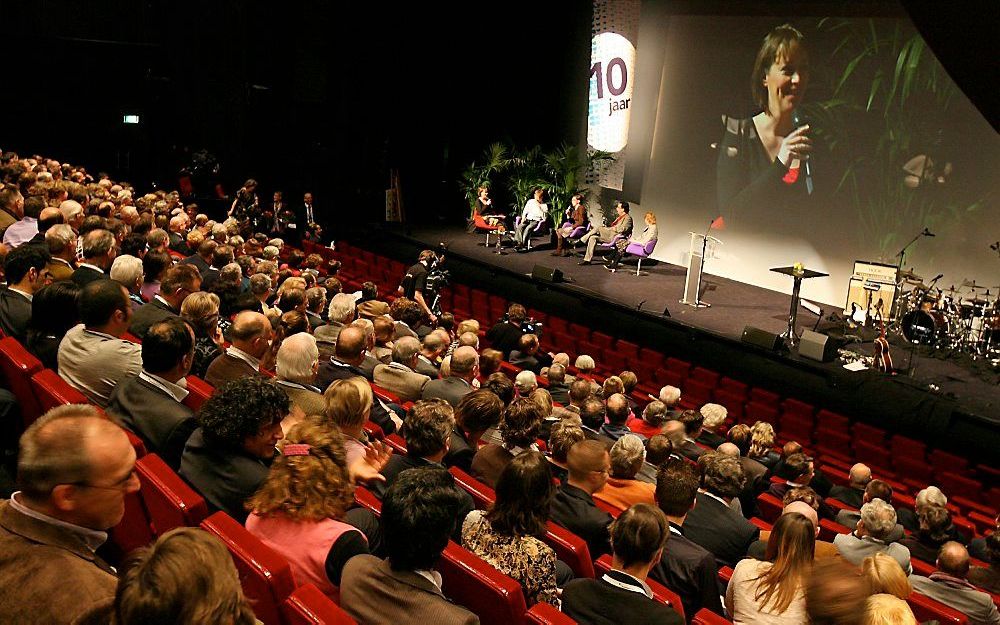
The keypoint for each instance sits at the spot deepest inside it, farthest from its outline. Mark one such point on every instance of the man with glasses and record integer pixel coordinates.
(75, 469)
(176, 284)
(573, 506)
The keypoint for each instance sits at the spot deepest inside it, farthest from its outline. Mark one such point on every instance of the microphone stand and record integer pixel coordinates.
(899, 269)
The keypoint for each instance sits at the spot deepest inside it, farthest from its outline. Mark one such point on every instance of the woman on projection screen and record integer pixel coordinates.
(761, 165)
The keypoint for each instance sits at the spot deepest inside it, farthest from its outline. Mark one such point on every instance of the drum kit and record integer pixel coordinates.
(965, 318)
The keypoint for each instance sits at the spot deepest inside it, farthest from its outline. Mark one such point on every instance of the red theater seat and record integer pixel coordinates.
(707, 617)
(770, 507)
(132, 532)
(660, 592)
(309, 606)
(266, 577)
(18, 365)
(169, 500)
(483, 495)
(366, 499)
(545, 614)
(53, 391)
(571, 549)
(471, 582)
(927, 609)
(198, 392)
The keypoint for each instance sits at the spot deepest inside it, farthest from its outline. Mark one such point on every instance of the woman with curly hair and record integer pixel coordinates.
(228, 457)
(519, 428)
(298, 509)
(508, 535)
(761, 443)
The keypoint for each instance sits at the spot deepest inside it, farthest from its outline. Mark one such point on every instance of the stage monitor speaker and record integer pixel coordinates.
(546, 274)
(761, 338)
(816, 346)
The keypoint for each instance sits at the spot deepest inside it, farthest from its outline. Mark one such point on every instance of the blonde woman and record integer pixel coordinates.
(885, 575)
(761, 443)
(771, 591)
(201, 311)
(348, 406)
(299, 508)
(886, 609)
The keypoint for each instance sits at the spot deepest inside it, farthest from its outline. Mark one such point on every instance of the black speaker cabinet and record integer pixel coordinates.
(546, 274)
(816, 346)
(761, 338)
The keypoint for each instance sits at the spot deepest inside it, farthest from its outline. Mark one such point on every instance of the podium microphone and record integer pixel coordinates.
(798, 121)
(927, 233)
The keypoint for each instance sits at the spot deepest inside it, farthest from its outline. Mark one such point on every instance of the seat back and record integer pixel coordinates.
(132, 532)
(471, 582)
(545, 614)
(927, 609)
(366, 499)
(707, 617)
(309, 606)
(660, 592)
(52, 391)
(770, 507)
(266, 577)
(18, 365)
(169, 500)
(198, 391)
(483, 495)
(571, 549)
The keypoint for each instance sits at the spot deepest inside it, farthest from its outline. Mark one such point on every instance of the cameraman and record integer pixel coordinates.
(414, 283)
(506, 334)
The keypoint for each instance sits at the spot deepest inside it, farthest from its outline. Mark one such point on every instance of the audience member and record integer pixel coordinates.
(186, 576)
(295, 371)
(853, 494)
(573, 506)
(988, 578)
(431, 351)
(464, 368)
(61, 242)
(770, 591)
(178, 282)
(25, 269)
(99, 251)
(419, 514)
(227, 458)
(692, 421)
(505, 336)
(201, 311)
(927, 497)
(638, 539)
(127, 270)
(558, 387)
(150, 404)
(476, 412)
(75, 469)
(712, 523)
(399, 376)
(507, 536)
(948, 584)
(885, 609)
(154, 265)
(563, 436)
(761, 444)
(54, 310)
(884, 575)
(251, 335)
(346, 363)
(518, 432)
(622, 490)
(93, 358)
(617, 412)
(869, 536)
(876, 489)
(348, 404)
(299, 509)
(714, 415)
(654, 416)
(935, 530)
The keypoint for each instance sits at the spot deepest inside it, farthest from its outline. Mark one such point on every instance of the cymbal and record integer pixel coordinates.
(909, 276)
(976, 302)
(971, 284)
(918, 286)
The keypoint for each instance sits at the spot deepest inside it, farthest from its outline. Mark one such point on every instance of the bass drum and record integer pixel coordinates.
(924, 328)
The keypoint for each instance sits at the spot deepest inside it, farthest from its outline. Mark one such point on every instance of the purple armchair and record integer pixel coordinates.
(541, 228)
(642, 251)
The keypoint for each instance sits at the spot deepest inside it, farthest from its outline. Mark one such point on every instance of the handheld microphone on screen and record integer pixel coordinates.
(798, 120)
(927, 233)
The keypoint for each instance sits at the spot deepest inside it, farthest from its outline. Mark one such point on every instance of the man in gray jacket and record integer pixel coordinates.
(949, 586)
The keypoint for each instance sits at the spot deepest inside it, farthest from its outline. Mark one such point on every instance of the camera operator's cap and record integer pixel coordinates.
(373, 308)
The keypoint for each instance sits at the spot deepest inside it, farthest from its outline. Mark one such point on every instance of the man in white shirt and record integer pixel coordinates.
(534, 212)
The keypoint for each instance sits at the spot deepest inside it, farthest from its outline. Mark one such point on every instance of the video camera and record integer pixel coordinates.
(528, 326)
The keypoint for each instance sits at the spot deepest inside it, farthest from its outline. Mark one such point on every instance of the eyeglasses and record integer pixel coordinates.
(121, 485)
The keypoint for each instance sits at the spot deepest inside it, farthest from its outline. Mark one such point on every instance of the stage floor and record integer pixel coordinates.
(734, 305)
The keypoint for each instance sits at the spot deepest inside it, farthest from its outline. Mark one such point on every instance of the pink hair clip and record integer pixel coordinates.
(295, 449)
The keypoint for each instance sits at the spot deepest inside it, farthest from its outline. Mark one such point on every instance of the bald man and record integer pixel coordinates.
(400, 376)
(464, 369)
(853, 494)
(573, 506)
(251, 337)
(349, 354)
(823, 550)
(949, 586)
(75, 469)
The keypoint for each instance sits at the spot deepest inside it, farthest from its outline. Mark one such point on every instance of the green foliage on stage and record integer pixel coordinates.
(887, 113)
(560, 173)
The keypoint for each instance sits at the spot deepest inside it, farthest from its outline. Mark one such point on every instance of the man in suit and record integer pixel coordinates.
(617, 411)
(747, 496)
(202, 258)
(870, 536)
(251, 335)
(432, 348)
(527, 356)
(638, 539)
(99, 251)
(573, 506)
(26, 273)
(464, 369)
(24, 230)
(295, 369)
(801, 471)
(315, 306)
(75, 469)
(399, 376)
(340, 312)
(350, 353)
(675, 431)
(93, 358)
(622, 225)
(712, 523)
(419, 512)
(11, 207)
(692, 421)
(221, 256)
(876, 489)
(61, 242)
(177, 233)
(177, 283)
(756, 472)
(853, 494)
(949, 586)
(150, 404)
(686, 568)
(477, 412)
(558, 388)
(505, 335)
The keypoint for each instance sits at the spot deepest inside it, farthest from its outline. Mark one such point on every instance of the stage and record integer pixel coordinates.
(951, 398)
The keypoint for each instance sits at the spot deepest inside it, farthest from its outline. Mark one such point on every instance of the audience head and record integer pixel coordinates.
(251, 332)
(692, 421)
(714, 415)
(638, 536)
(629, 381)
(860, 476)
(612, 385)
(886, 609)
(405, 350)
(627, 456)
(24, 267)
(524, 492)
(803, 508)
(585, 364)
(543, 398)
(99, 248)
(478, 411)
(341, 308)
(105, 304)
(527, 344)
(724, 476)
(186, 576)
(351, 342)
(525, 382)
(877, 489)
(349, 403)
(245, 414)
(501, 386)
(419, 514)
(201, 311)
(739, 435)
(298, 358)
(76, 466)
(670, 395)
(761, 439)
(562, 437)
(520, 423)
(676, 487)
(154, 265)
(878, 519)
(674, 430)
(61, 241)
(803, 494)
(885, 575)
(592, 413)
(429, 424)
(658, 449)
(655, 413)
(953, 559)
(589, 465)
(800, 468)
(55, 308)
(930, 496)
(617, 409)
(465, 363)
(489, 362)
(178, 282)
(127, 270)
(935, 523)
(557, 374)
(309, 480)
(579, 390)
(168, 349)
